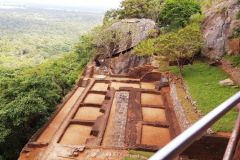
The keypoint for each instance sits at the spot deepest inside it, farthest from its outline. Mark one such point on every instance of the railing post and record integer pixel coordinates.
(233, 141)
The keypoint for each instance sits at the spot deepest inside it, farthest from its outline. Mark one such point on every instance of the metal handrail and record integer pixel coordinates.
(233, 141)
(193, 133)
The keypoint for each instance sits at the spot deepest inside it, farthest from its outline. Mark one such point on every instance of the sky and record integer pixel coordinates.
(105, 4)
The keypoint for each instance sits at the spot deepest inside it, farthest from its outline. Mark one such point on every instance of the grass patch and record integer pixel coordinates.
(202, 81)
(138, 155)
(234, 59)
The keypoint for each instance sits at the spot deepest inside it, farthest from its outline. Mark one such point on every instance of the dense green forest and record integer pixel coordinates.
(29, 95)
(29, 36)
(41, 58)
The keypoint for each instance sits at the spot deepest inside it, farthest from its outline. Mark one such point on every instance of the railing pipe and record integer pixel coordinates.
(185, 139)
(233, 141)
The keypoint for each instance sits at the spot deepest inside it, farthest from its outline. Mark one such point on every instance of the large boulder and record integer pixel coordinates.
(122, 60)
(134, 30)
(125, 62)
(218, 27)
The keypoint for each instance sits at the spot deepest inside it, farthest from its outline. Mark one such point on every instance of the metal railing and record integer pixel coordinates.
(196, 131)
(233, 141)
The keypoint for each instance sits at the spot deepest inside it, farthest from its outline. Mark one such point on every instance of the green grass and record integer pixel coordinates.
(234, 59)
(202, 81)
(136, 155)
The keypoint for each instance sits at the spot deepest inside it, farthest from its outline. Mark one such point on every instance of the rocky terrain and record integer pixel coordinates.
(219, 26)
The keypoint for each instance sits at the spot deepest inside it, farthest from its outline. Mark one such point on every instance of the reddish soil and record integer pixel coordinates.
(129, 114)
(145, 85)
(93, 98)
(88, 113)
(155, 136)
(72, 135)
(100, 87)
(48, 133)
(118, 85)
(151, 99)
(154, 115)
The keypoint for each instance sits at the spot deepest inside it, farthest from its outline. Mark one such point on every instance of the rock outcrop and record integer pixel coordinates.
(121, 60)
(218, 28)
(135, 31)
(124, 62)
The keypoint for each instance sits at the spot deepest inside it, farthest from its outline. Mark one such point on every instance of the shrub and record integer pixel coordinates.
(174, 46)
(180, 45)
(111, 15)
(145, 48)
(176, 13)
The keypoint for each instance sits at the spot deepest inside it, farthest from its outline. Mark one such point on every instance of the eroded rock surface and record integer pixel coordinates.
(125, 62)
(218, 27)
(136, 30)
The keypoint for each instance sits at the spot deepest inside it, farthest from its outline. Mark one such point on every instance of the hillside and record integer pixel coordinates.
(30, 35)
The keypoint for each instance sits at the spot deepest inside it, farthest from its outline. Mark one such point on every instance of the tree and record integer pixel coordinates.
(180, 46)
(111, 15)
(107, 39)
(29, 95)
(85, 49)
(176, 13)
(135, 9)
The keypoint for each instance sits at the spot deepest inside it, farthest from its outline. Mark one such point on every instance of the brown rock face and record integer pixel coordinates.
(122, 60)
(125, 62)
(218, 27)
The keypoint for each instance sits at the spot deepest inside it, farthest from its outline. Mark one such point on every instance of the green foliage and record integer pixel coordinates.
(30, 40)
(85, 49)
(234, 59)
(175, 46)
(145, 48)
(107, 40)
(153, 33)
(196, 18)
(135, 9)
(202, 81)
(29, 88)
(180, 45)
(111, 15)
(176, 13)
(29, 96)
(139, 9)
(138, 155)
(142, 153)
